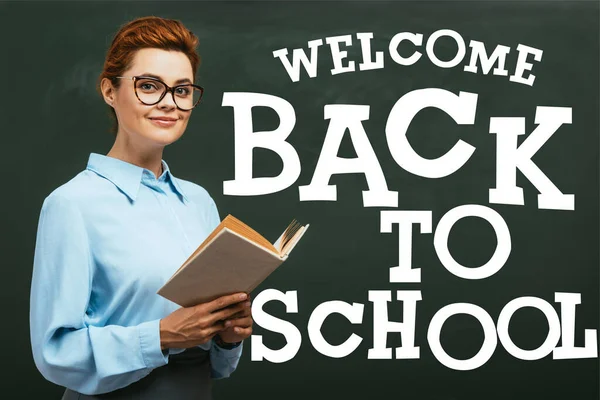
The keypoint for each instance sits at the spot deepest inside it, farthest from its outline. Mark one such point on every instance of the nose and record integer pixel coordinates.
(168, 101)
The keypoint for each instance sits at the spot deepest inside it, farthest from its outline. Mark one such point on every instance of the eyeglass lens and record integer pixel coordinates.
(150, 91)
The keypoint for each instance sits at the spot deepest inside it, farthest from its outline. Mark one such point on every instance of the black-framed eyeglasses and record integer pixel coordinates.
(151, 91)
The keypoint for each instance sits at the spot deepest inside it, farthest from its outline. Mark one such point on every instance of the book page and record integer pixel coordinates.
(295, 239)
(287, 236)
(237, 226)
(277, 243)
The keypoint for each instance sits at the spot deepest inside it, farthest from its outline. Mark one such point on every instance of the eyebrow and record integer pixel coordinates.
(177, 82)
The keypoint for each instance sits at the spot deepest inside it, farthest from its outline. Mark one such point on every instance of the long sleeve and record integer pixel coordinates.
(223, 362)
(66, 349)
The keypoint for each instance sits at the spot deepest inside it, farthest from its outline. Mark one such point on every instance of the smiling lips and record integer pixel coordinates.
(164, 122)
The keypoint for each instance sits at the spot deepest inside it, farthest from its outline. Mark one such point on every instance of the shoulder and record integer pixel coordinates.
(77, 192)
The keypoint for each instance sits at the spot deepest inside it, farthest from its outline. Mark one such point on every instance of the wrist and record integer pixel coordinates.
(225, 345)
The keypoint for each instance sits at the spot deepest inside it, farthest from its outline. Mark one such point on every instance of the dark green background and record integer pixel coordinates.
(52, 118)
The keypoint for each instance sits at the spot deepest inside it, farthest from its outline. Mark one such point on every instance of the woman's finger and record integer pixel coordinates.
(244, 322)
(243, 332)
(240, 314)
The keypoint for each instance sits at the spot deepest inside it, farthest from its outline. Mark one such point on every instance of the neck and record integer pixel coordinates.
(145, 157)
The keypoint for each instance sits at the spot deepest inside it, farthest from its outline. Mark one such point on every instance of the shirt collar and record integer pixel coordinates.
(172, 179)
(125, 176)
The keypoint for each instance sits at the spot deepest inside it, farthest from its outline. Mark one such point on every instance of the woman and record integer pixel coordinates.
(112, 235)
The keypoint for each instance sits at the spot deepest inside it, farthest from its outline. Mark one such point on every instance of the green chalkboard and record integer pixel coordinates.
(53, 118)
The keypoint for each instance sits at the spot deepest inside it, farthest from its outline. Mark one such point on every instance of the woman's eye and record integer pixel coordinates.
(147, 87)
(182, 91)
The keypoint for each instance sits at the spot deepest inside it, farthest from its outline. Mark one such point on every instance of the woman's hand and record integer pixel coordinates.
(239, 326)
(193, 326)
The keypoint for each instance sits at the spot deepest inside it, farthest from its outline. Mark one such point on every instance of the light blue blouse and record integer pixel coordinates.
(107, 240)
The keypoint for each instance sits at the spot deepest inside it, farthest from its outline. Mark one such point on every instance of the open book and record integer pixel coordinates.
(233, 258)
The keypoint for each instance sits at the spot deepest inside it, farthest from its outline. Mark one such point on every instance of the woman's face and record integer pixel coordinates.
(160, 124)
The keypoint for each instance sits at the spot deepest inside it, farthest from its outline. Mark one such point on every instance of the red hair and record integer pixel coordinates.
(146, 32)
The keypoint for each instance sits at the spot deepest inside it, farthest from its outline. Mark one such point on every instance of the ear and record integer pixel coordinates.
(108, 91)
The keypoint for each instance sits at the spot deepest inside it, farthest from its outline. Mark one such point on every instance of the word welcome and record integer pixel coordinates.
(477, 49)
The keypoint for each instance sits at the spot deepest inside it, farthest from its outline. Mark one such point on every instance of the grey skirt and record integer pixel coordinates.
(185, 377)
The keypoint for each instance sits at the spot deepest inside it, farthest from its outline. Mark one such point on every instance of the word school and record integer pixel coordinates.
(559, 327)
